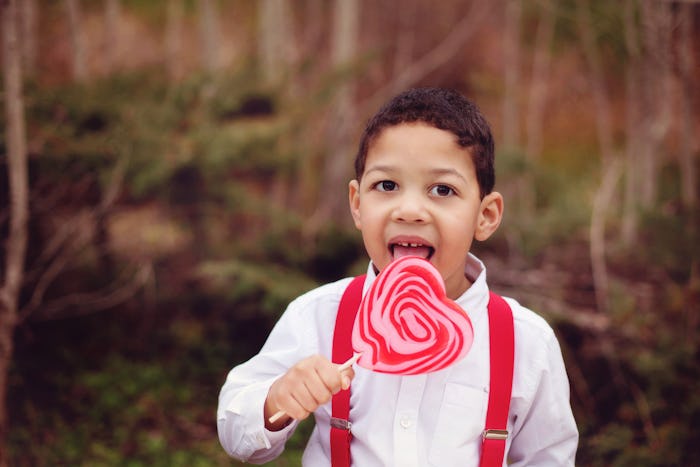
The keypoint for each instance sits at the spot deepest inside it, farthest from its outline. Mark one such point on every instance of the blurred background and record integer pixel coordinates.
(174, 172)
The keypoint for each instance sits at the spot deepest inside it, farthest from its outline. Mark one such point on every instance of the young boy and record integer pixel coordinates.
(424, 181)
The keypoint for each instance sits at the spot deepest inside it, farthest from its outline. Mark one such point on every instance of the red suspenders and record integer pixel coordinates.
(342, 351)
(501, 351)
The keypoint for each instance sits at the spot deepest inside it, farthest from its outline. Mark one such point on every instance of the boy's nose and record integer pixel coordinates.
(410, 208)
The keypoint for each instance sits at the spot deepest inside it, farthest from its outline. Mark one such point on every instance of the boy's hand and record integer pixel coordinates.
(305, 386)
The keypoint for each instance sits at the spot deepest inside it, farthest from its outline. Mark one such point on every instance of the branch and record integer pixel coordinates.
(81, 304)
(437, 57)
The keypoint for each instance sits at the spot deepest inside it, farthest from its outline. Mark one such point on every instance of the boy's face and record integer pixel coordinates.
(419, 196)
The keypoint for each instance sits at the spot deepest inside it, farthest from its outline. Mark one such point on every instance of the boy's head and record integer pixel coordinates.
(424, 183)
(443, 109)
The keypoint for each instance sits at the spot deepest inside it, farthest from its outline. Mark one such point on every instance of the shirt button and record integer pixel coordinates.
(405, 423)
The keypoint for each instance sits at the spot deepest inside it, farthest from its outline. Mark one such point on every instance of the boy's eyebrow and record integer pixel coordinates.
(436, 171)
(448, 171)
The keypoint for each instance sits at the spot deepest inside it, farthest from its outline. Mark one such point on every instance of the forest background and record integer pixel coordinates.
(173, 173)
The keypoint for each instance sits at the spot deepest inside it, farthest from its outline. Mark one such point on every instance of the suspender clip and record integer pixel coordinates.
(500, 435)
(341, 423)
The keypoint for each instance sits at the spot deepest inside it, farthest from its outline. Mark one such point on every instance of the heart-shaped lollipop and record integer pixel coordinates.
(407, 325)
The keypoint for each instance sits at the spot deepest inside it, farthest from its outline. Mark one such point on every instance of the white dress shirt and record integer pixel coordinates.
(433, 419)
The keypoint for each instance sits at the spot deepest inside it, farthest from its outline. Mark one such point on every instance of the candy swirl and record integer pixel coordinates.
(407, 325)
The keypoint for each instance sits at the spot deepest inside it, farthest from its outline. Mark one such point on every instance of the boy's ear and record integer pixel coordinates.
(354, 199)
(490, 215)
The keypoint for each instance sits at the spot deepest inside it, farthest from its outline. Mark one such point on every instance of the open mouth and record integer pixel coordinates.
(401, 249)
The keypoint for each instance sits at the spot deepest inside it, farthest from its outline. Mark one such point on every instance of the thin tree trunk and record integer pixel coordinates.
(656, 20)
(29, 14)
(111, 35)
(209, 35)
(634, 122)
(511, 68)
(540, 81)
(16, 245)
(276, 45)
(75, 24)
(609, 168)
(406, 35)
(689, 184)
(337, 163)
(173, 39)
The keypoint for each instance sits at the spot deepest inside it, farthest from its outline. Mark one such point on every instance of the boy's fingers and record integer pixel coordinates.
(347, 376)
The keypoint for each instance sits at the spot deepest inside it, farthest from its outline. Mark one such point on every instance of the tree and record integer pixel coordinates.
(610, 168)
(656, 35)
(540, 79)
(111, 37)
(209, 33)
(277, 49)
(29, 13)
(75, 24)
(16, 244)
(689, 183)
(173, 39)
(336, 163)
(511, 68)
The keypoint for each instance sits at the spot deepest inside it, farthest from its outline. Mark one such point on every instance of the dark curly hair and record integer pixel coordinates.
(444, 109)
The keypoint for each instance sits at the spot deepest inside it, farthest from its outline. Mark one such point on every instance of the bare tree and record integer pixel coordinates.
(343, 117)
(540, 80)
(689, 183)
(656, 33)
(29, 13)
(111, 35)
(78, 48)
(173, 39)
(634, 144)
(16, 244)
(406, 35)
(277, 48)
(511, 70)
(209, 34)
(610, 168)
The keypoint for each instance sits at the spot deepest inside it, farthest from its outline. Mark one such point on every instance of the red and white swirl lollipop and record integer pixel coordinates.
(407, 325)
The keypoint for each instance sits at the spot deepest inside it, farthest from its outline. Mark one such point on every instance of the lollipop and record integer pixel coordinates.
(406, 324)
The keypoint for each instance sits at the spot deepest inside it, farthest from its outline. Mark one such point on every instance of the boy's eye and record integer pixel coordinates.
(441, 190)
(386, 185)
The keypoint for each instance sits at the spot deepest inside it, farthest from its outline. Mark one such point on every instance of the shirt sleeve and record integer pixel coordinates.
(545, 433)
(240, 413)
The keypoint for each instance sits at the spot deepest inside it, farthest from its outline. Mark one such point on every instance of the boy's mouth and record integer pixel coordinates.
(401, 249)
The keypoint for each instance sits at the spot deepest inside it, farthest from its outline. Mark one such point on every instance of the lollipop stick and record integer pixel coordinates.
(341, 368)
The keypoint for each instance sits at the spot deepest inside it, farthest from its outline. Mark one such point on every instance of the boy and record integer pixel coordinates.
(424, 186)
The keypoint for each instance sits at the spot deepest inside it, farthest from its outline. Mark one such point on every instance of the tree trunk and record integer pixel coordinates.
(75, 24)
(209, 35)
(276, 45)
(173, 39)
(511, 69)
(540, 81)
(29, 14)
(111, 36)
(634, 123)
(332, 205)
(405, 40)
(657, 29)
(689, 184)
(609, 167)
(16, 245)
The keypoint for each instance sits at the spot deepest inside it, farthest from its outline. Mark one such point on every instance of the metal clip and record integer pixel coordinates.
(500, 435)
(341, 423)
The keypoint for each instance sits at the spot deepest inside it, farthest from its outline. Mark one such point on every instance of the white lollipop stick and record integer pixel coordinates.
(341, 368)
